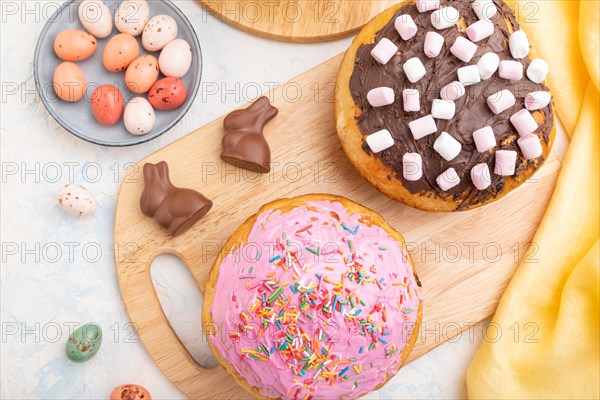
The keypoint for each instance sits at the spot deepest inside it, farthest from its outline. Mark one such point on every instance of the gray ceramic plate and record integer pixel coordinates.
(77, 117)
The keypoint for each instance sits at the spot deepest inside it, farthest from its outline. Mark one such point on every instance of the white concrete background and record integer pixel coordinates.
(52, 273)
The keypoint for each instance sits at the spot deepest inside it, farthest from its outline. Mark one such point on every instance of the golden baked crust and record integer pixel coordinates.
(372, 168)
(239, 238)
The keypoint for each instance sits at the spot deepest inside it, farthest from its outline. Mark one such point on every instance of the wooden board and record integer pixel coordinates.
(464, 259)
(299, 20)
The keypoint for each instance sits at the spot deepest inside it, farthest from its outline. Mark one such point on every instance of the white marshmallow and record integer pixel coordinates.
(480, 175)
(519, 44)
(537, 70)
(444, 18)
(380, 141)
(530, 146)
(447, 146)
(384, 51)
(381, 96)
(484, 9)
(414, 69)
(433, 44)
(488, 65)
(468, 75)
(463, 49)
(537, 100)
(452, 91)
(427, 5)
(484, 139)
(501, 101)
(480, 30)
(405, 26)
(448, 179)
(410, 98)
(412, 166)
(523, 122)
(506, 160)
(422, 127)
(443, 109)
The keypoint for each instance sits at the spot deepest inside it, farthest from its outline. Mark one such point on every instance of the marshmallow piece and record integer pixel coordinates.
(530, 146)
(484, 139)
(433, 44)
(405, 26)
(506, 160)
(427, 5)
(380, 141)
(501, 101)
(384, 51)
(468, 75)
(443, 109)
(463, 49)
(410, 97)
(488, 65)
(523, 122)
(414, 69)
(480, 30)
(510, 69)
(444, 18)
(447, 146)
(537, 70)
(422, 127)
(412, 166)
(381, 96)
(481, 177)
(537, 100)
(448, 179)
(452, 91)
(484, 9)
(518, 44)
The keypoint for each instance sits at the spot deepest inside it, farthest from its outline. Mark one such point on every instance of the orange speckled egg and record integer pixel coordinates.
(120, 51)
(130, 392)
(141, 74)
(74, 45)
(69, 82)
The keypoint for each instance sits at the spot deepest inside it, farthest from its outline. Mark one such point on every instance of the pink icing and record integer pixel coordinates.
(262, 356)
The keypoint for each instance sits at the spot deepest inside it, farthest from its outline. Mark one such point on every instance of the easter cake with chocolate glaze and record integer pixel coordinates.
(313, 297)
(442, 104)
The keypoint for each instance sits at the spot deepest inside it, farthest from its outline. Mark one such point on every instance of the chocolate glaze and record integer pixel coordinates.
(174, 208)
(244, 144)
(472, 111)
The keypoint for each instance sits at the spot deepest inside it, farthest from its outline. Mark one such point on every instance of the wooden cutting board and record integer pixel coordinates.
(464, 259)
(298, 20)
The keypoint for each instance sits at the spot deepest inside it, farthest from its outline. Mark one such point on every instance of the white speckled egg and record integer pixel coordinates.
(139, 116)
(76, 200)
(132, 16)
(175, 59)
(158, 32)
(96, 18)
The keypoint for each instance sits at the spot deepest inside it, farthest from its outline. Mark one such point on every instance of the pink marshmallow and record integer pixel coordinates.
(506, 160)
(511, 69)
(523, 122)
(433, 44)
(405, 26)
(381, 96)
(484, 139)
(480, 30)
(452, 91)
(427, 5)
(384, 51)
(530, 146)
(412, 166)
(463, 49)
(448, 179)
(537, 100)
(422, 127)
(501, 101)
(410, 97)
(480, 175)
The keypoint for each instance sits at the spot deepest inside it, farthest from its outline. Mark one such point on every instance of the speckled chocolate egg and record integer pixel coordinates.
(139, 116)
(132, 16)
(73, 45)
(167, 94)
(96, 18)
(107, 104)
(158, 32)
(76, 200)
(84, 343)
(141, 74)
(69, 82)
(175, 59)
(120, 51)
(130, 392)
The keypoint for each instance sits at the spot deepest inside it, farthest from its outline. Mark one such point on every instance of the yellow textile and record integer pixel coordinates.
(558, 295)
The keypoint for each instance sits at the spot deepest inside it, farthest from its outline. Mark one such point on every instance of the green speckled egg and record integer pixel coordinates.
(84, 343)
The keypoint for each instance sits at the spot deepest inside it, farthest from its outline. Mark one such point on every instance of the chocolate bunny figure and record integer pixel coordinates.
(244, 144)
(174, 208)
